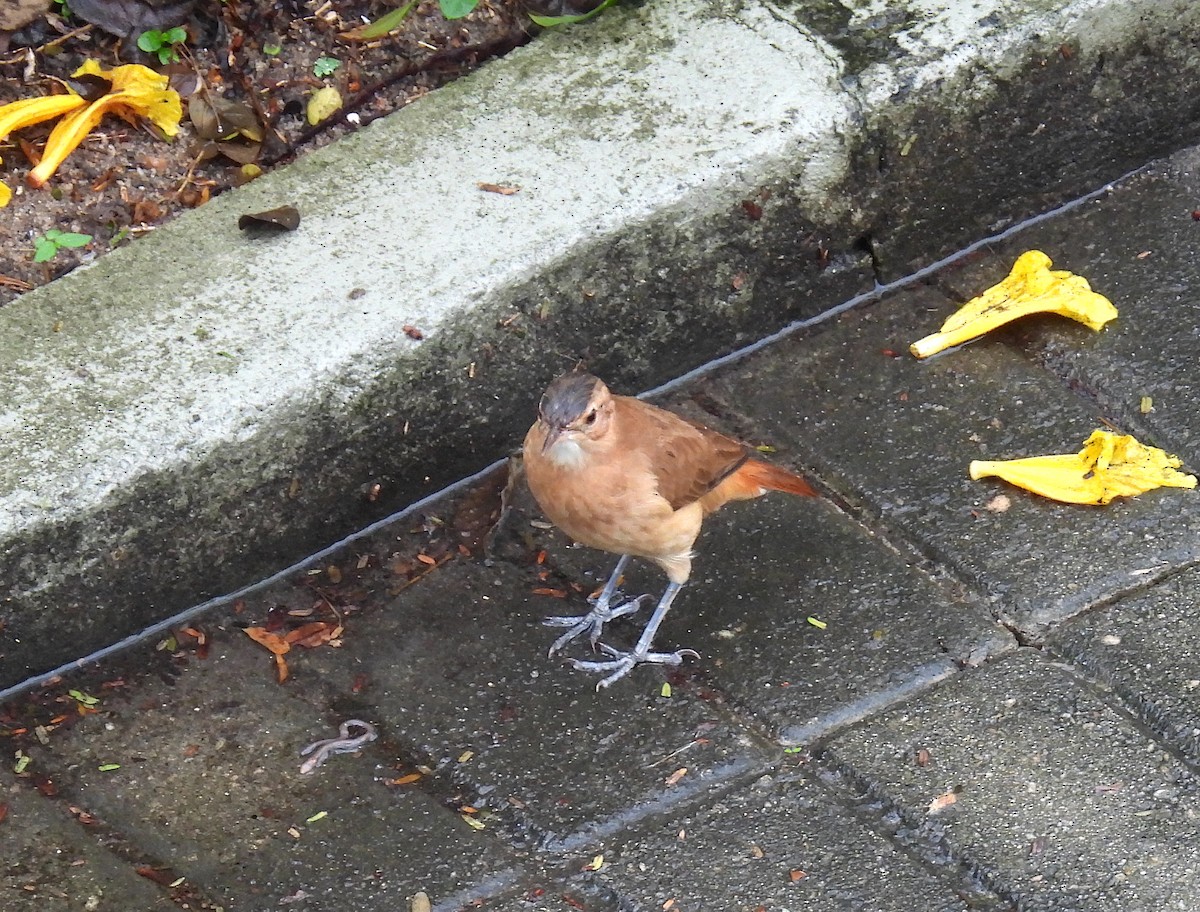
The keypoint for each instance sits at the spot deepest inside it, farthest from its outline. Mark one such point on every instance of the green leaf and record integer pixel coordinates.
(272, 48)
(319, 815)
(150, 41)
(325, 66)
(23, 761)
(44, 250)
(551, 21)
(85, 699)
(108, 767)
(388, 21)
(69, 239)
(175, 35)
(456, 9)
(666, 689)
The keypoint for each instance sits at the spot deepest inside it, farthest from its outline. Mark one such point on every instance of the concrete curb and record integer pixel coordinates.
(201, 408)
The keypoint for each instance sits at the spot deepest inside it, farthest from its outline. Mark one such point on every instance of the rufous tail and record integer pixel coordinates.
(773, 478)
(753, 479)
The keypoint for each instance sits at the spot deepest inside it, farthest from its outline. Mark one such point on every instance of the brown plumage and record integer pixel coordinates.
(625, 476)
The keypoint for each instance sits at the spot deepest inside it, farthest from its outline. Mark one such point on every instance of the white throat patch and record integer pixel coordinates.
(567, 453)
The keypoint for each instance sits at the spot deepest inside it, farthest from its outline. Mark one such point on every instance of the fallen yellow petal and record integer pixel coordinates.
(5, 194)
(137, 91)
(1108, 466)
(29, 111)
(1031, 287)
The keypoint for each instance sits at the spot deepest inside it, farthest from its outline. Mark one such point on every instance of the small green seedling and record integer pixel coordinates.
(456, 9)
(45, 247)
(325, 66)
(63, 9)
(551, 21)
(162, 44)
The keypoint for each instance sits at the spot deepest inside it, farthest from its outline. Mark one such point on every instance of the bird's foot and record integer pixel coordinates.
(592, 623)
(621, 663)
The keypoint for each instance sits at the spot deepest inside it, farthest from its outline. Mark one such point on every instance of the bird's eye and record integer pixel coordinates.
(590, 419)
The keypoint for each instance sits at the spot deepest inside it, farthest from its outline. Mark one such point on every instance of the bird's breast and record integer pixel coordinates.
(607, 503)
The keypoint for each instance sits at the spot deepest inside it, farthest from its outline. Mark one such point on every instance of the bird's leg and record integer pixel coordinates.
(620, 663)
(600, 614)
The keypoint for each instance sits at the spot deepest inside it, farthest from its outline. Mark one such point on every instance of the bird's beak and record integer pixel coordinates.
(552, 435)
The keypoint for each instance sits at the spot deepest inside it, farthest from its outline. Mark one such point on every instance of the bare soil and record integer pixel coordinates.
(256, 55)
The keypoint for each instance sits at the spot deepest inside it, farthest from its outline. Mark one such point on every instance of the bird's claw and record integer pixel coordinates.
(621, 663)
(593, 622)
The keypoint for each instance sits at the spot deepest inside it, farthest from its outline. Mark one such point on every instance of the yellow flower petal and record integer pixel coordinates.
(147, 94)
(1031, 287)
(1108, 466)
(5, 194)
(137, 91)
(30, 111)
(66, 135)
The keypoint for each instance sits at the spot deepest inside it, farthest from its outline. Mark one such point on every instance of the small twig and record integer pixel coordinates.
(11, 282)
(516, 471)
(674, 753)
(82, 30)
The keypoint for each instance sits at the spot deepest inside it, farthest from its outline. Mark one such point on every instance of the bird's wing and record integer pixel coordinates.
(688, 460)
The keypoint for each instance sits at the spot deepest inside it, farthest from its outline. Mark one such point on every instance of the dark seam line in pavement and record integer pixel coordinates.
(1114, 700)
(847, 793)
(927, 837)
(725, 778)
(1141, 712)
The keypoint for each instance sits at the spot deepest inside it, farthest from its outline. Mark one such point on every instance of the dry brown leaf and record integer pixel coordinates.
(312, 634)
(502, 189)
(272, 641)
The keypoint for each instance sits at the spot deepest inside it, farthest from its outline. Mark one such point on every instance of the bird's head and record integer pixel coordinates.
(576, 409)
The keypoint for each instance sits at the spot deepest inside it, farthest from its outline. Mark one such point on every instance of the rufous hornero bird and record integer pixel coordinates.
(624, 476)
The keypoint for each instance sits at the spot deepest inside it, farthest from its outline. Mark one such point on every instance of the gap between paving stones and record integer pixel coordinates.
(1094, 808)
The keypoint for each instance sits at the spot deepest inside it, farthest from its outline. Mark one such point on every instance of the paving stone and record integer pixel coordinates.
(762, 570)
(1063, 803)
(209, 785)
(459, 674)
(52, 864)
(1145, 647)
(783, 843)
(894, 437)
(1136, 245)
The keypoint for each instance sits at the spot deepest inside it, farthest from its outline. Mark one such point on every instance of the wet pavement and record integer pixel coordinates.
(996, 709)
